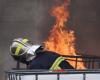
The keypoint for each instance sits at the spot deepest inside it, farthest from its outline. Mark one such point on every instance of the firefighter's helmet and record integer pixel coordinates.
(24, 49)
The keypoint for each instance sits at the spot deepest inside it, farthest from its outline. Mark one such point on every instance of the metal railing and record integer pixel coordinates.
(45, 75)
(90, 62)
(92, 71)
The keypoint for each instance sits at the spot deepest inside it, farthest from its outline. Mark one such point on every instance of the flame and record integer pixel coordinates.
(61, 40)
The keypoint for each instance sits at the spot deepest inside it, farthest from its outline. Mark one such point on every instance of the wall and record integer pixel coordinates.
(31, 19)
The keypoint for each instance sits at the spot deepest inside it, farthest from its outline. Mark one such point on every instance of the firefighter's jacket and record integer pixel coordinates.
(49, 60)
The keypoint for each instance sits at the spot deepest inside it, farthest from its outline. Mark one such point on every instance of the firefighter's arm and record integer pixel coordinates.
(34, 65)
(65, 65)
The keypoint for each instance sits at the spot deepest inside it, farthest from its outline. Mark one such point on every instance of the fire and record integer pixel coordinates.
(62, 40)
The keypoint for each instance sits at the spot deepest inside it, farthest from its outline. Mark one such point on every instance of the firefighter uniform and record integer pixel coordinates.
(49, 60)
(35, 57)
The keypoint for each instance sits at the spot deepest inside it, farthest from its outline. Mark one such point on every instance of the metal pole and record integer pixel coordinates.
(84, 76)
(36, 76)
(76, 64)
(18, 65)
(57, 76)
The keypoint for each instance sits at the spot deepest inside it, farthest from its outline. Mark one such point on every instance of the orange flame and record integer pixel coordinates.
(62, 40)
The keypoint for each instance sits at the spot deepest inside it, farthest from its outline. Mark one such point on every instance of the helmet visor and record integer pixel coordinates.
(19, 47)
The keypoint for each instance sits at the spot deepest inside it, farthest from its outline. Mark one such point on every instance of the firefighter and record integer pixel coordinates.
(36, 57)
